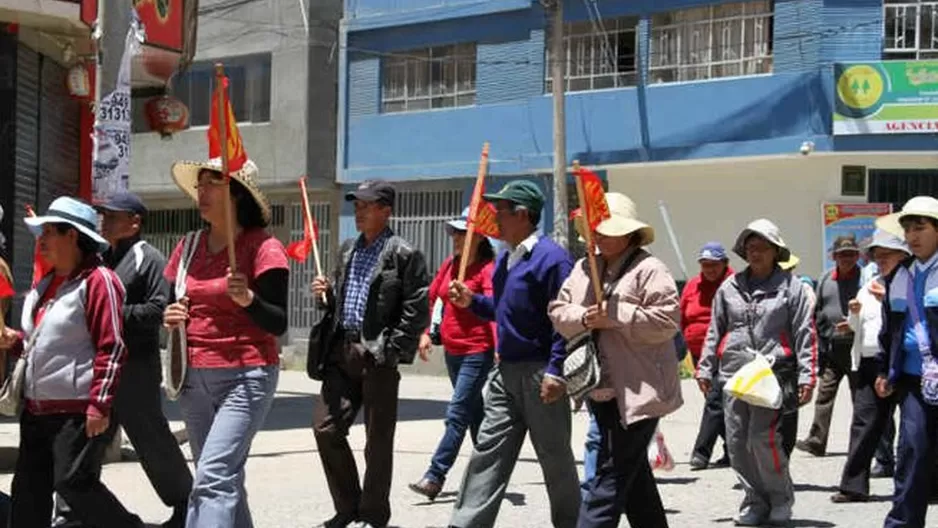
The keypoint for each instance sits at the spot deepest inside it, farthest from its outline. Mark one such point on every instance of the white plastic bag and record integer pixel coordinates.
(658, 455)
(756, 384)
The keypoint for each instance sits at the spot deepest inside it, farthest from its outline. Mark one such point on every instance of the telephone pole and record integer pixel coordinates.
(557, 64)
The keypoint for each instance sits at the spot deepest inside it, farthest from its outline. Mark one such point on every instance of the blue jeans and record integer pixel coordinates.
(223, 409)
(467, 374)
(594, 440)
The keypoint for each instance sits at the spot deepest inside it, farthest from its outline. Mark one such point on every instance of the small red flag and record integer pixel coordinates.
(594, 198)
(484, 221)
(6, 289)
(237, 156)
(300, 249)
(40, 266)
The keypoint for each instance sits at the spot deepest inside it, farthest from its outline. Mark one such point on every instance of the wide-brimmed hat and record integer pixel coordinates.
(186, 176)
(919, 206)
(459, 224)
(767, 230)
(73, 212)
(886, 240)
(623, 220)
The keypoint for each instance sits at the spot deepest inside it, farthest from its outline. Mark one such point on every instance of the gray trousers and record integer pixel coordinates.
(513, 407)
(754, 442)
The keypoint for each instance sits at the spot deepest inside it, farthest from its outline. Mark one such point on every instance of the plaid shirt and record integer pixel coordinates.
(357, 282)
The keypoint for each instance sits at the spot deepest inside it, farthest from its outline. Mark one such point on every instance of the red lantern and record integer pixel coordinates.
(167, 115)
(80, 82)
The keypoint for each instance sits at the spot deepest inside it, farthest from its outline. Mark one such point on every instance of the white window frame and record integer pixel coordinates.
(592, 56)
(904, 22)
(453, 66)
(672, 59)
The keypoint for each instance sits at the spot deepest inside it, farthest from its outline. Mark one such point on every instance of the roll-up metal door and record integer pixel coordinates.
(59, 126)
(27, 163)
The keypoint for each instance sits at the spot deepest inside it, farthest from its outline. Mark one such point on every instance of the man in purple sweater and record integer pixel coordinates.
(526, 392)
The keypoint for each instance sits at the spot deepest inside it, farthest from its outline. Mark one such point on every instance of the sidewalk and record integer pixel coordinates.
(287, 488)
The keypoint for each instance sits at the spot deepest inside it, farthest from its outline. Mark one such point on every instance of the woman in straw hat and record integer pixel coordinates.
(908, 359)
(231, 320)
(72, 324)
(469, 346)
(761, 310)
(635, 335)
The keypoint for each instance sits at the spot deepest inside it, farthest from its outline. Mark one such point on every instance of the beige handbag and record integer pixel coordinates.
(11, 394)
(177, 351)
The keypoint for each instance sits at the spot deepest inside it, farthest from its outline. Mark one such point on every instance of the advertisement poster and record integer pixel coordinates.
(894, 97)
(844, 219)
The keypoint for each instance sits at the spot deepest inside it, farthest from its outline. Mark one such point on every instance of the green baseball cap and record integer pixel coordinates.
(521, 192)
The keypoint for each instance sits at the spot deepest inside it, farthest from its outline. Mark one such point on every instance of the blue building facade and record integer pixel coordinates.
(659, 93)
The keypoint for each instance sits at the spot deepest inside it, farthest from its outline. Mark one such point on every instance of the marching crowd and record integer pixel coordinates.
(87, 358)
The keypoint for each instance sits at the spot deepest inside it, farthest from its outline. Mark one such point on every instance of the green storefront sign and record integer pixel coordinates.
(894, 97)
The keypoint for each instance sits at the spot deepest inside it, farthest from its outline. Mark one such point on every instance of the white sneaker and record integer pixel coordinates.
(750, 518)
(780, 515)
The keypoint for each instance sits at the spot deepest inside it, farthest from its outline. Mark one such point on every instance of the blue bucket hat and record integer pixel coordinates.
(459, 224)
(69, 211)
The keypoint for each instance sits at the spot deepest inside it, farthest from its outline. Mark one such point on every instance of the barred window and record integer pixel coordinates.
(726, 40)
(598, 54)
(910, 29)
(438, 77)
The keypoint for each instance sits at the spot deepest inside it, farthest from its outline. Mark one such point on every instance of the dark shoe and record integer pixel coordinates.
(809, 447)
(427, 488)
(339, 521)
(178, 520)
(881, 472)
(698, 463)
(846, 496)
(723, 462)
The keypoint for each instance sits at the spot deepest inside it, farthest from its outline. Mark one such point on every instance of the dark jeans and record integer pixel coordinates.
(870, 416)
(467, 373)
(352, 380)
(712, 425)
(55, 455)
(624, 482)
(915, 461)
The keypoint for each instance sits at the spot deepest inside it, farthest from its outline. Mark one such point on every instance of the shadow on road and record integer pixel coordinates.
(676, 480)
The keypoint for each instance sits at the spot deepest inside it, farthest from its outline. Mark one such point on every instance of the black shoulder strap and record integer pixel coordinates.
(607, 291)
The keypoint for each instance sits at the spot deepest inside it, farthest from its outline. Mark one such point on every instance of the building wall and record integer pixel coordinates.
(299, 138)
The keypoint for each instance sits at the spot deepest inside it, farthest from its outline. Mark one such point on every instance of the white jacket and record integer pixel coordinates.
(866, 326)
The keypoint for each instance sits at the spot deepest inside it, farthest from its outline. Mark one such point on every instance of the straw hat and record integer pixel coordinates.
(919, 206)
(186, 176)
(624, 220)
(767, 230)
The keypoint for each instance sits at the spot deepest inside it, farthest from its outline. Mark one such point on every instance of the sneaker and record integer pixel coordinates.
(880, 471)
(810, 447)
(780, 516)
(750, 519)
(339, 521)
(723, 462)
(842, 497)
(698, 463)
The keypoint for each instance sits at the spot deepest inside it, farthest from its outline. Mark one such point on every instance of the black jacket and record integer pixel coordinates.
(140, 268)
(398, 309)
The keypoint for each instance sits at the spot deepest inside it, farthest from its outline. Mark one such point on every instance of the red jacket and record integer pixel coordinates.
(462, 331)
(696, 301)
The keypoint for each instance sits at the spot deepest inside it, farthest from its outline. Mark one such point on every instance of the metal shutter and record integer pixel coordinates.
(60, 123)
(27, 162)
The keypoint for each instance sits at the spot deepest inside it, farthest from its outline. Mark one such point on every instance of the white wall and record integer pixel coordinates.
(715, 199)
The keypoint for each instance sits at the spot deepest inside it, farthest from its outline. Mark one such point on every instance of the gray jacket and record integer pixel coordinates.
(773, 318)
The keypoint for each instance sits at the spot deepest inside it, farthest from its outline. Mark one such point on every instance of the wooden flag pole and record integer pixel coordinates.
(223, 140)
(473, 210)
(312, 232)
(588, 235)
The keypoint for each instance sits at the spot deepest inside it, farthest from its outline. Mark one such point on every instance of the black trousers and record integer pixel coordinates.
(55, 454)
(138, 408)
(870, 417)
(624, 482)
(712, 425)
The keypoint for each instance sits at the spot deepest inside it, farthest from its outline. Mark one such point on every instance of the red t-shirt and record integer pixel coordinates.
(48, 295)
(461, 330)
(221, 334)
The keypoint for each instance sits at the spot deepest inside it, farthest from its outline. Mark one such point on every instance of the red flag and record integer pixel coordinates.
(594, 197)
(237, 156)
(40, 266)
(484, 221)
(6, 289)
(299, 250)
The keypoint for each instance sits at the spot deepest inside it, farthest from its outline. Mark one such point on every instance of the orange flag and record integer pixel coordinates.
(484, 221)
(237, 156)
(40, 266)
(299, 250)
(597, 209)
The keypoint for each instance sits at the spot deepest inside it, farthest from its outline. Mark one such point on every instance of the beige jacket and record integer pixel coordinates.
(639, 362)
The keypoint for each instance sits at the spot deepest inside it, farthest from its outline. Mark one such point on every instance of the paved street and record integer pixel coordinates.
(287, 488)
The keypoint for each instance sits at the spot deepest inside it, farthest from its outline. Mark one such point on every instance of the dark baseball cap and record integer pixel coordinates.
(123, 202)
(845, 243)
(521, 192)
(373, 191)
